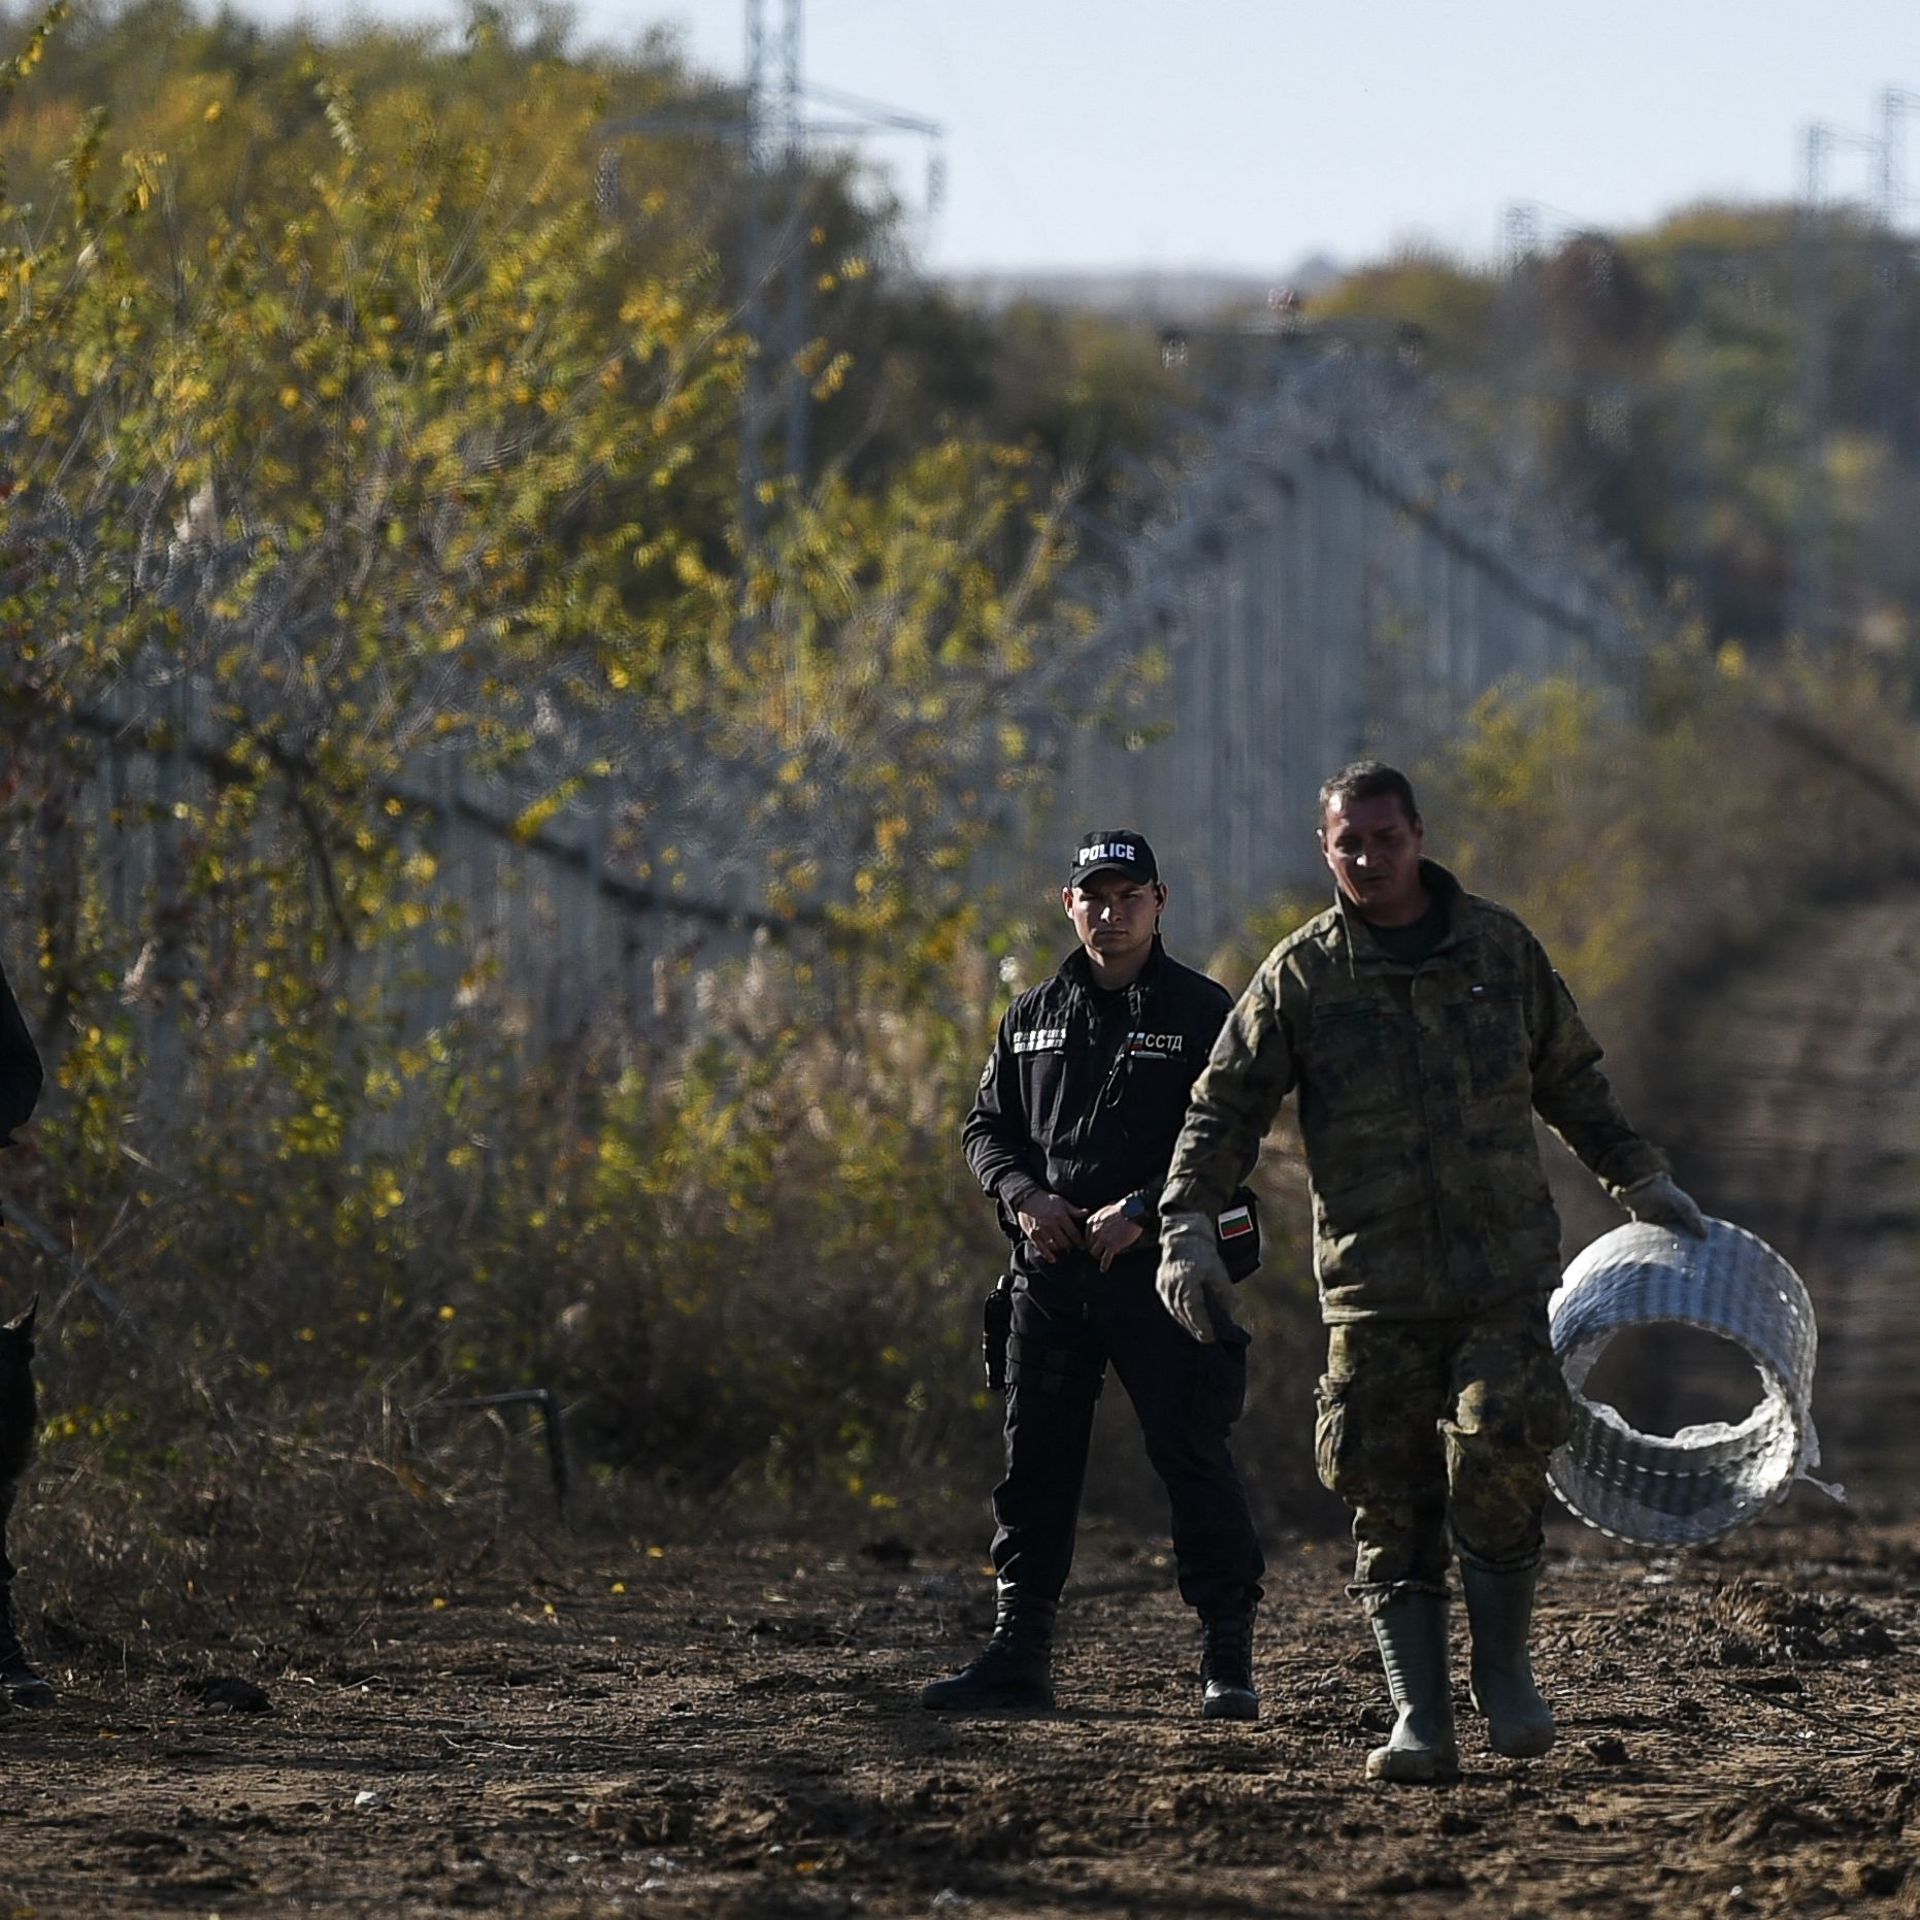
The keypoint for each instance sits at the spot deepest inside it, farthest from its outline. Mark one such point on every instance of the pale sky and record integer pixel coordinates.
(1246, 133)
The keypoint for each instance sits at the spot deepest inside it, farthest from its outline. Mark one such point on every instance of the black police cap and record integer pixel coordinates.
(1115, 850)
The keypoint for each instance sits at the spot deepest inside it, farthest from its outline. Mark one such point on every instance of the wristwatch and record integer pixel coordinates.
(1139, 1209)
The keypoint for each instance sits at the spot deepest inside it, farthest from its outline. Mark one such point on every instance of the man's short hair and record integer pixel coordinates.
(1367, 780)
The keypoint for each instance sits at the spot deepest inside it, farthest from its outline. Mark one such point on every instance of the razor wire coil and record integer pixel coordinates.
(1707, 1479)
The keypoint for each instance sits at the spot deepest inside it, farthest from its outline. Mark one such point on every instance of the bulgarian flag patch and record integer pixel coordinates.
(1236, 1223)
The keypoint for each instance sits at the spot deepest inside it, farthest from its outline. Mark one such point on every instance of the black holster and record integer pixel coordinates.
(996, 1324)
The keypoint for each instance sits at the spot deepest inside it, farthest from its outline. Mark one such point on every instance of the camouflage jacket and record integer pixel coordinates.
(1418, 1087)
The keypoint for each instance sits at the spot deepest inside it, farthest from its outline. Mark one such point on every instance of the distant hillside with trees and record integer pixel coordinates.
(242, 112)
(1730, 395)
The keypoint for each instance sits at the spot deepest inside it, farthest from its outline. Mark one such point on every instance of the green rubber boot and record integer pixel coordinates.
(1412, 1631)
(1500, 1613)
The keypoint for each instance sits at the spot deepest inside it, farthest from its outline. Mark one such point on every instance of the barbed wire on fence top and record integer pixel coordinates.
(1335, 515)
(1340, 522)
(1380, 422)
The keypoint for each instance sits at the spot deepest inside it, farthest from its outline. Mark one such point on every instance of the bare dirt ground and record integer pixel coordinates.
(732, 1730)
(736, 1733)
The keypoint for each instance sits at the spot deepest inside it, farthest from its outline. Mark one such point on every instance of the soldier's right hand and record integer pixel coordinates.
(1052, 1225)
(1192, 1280)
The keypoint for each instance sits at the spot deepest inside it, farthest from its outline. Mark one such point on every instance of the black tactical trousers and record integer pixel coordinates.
(1069, 1320)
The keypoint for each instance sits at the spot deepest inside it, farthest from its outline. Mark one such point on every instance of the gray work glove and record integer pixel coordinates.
(1660, 1203)
(1192, 1275)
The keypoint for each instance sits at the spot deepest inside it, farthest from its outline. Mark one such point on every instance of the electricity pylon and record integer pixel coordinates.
(772, 126)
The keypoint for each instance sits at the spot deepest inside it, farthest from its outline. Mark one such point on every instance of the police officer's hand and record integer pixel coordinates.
(1660, 1203)
(1193, 1279)
(1053, 1225)
(1110, 1232)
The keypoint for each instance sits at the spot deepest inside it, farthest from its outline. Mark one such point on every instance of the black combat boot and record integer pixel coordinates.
(1411, 1629)
(1015, 1669)
(1500, 1613)
(1226, 1667)
(25, 1687)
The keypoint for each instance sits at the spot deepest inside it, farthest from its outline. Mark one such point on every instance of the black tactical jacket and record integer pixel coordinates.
(20, 1073)
(1086, 1089)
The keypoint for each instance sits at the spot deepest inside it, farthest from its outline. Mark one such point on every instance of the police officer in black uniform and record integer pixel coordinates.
(1071, 1135)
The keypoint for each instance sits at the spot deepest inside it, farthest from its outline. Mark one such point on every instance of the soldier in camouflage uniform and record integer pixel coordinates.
(1422, 1028)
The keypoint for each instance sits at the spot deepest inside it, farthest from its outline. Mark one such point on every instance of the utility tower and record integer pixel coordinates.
(1896, 103)
(1811, 610)
(1893, 272)
(1546, 381)
(774, 267)
(1523, 326)
(773, 128)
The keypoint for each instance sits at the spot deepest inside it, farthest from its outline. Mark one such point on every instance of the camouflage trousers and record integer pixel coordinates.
(1438, 1431)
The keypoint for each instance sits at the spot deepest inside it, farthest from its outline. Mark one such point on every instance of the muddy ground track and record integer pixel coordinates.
(732, 1731)
(736, 1734)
